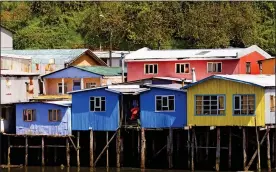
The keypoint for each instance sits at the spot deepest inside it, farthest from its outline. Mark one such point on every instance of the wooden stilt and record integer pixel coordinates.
(258, 148)
(122, 151)
(139, 146)
(189, 148)
(91, 149)
(193, 150)
(9, 151)
(67, 152)
(244, 147)
(230, 149)
(218, 150)
(78, 149)
(207, 143)
(118, 149)
(26, 151)
(268, 153)
(273, 149)
(42, 152)
(107, 153)
(143, 148)
(274, 146)
(170, 148)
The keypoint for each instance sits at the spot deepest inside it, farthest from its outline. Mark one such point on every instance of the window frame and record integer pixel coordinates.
(95, 103)
(152, 68)
(184, 68)
(246, 63)
(162, 103)
(233, 105)
(212, 67)
(95, 84)
(218, 95)
(58, 113)
(65, 90)
(32, 114)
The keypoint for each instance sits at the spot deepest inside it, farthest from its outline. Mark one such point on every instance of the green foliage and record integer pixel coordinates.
(132, 25)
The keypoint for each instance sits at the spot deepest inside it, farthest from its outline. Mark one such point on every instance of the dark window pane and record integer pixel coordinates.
(92, 98)
(97, 101)
(219, 67)
(150, 68)
(171, 104)
(237, 102)
(237, 112)
(206, 103)
(155, 69)
(158, 105)
(165, 101)
(92, 108)
(165, 108)
(206, 97)
(103, 98)
(213, 97)
(187, 68)
(147, 68)
(158, 97)
(210, 67)
(182, 68)
(177, 68)
(206, 112)
(103, 105)
(171, 97)
(214, 112)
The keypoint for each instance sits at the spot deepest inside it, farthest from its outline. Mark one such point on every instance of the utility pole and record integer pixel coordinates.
(110, 48)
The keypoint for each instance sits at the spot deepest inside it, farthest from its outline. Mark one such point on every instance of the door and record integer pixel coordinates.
(76, 85)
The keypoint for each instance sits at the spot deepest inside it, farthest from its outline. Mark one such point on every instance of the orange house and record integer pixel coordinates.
(267, 66)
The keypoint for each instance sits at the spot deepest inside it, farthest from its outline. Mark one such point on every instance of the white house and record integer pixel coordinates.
(6, 39)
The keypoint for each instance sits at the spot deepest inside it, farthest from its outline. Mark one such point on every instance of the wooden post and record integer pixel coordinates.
(170, 148)
(268, 153)
(244, 147)
(218, 150)
(67, 152)
(193, 150)
(189, 145)
(258, 147)
(107, 153)
(78, 149)
(139, 145)
(9, 151)
(118, 149)
(42, 152)
(273, 149)
(26, 151)
(143, 148)
(230, 149)
(91, 149)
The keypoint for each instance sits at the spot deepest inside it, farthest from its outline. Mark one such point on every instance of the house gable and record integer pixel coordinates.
(87, 58)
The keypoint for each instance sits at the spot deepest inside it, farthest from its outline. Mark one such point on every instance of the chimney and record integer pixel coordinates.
(182, 82)
(193, 75)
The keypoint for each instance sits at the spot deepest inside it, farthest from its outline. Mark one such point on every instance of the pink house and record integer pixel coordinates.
(146, 63)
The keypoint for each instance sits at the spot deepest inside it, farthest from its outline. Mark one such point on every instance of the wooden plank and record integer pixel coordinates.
(218, 150)
(9, 151)
(107, 152)
(118, 149)
(258, 146)
(143, 148)
(230, 149)
(42, 152)
(268, 152)
(75, 147)
(170, 148)
(78, 149)
(91, 149)
(67, 152)
(26, 151)
(244, 147)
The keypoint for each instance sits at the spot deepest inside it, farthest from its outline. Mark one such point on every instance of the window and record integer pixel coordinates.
(29, 114)
(182, 68)
(97, 104)
(164, 103)
(214, 67)
(272, 103)
(151, 69)
(60, 88)
(248, 67)
(54, 115)
(244, 104)
(210, 105)
(90, 85)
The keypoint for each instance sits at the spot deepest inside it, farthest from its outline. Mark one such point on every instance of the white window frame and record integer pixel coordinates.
(54, 112)
(212, 67)
(148, 66)
(180, 68)
(210, 105)
(25, 111)
(90, 83)
(240, 104)
(100, 105)
(167, 96)
(65, 85)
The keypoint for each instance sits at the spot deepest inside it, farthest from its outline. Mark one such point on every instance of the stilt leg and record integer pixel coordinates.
(218, 150)
(268, 153)
(143, 148)
(107, 153)
(42, 152)
(118, 149)
(26, 151)
(67, 152)
(78, 149)
(91, 149)
(244, 147)
(230, 149)
(9, 151)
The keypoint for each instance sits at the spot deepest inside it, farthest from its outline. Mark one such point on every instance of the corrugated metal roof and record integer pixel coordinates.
(16, 56)
(115, 54)
(61, 103)
(102, 70)
(227, 53)
(257, 80)
(127, 90)
(11, 72)
(176, 87)
(172, 79)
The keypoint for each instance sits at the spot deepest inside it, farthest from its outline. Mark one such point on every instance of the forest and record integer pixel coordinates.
(133, 25)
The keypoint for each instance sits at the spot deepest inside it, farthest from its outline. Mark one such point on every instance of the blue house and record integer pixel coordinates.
(163, 106)
(43, 118)
(99, 109)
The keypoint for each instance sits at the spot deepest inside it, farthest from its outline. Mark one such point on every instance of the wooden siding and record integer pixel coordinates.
(253, 58)
(269, 116)
(85, 60)
(83, 119)
(228, 88)
(152, 119)
(42, 125)
(268, 66)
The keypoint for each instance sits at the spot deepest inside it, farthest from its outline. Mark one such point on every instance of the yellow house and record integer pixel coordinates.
(231, 100)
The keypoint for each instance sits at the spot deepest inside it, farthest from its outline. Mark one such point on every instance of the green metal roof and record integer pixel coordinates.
(103, 70)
